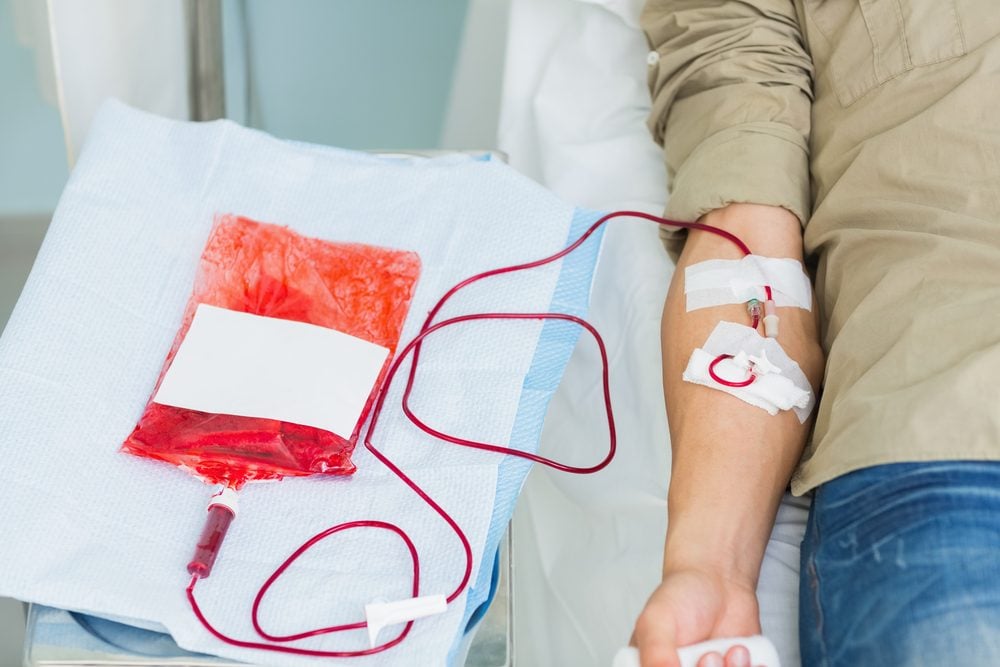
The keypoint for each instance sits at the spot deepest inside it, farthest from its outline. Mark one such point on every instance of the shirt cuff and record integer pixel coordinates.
(753, 163)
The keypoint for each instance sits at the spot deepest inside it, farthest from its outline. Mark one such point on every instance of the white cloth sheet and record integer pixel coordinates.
(589, 549)
(91, 529)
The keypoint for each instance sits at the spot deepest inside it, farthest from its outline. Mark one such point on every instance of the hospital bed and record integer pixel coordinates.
(589, 550)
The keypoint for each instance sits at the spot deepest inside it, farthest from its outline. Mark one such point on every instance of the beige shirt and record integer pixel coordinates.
(877, 122)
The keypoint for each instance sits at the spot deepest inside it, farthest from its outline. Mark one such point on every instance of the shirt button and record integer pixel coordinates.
(652, 58)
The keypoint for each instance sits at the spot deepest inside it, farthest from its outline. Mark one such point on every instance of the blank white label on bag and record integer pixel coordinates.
(252, 366)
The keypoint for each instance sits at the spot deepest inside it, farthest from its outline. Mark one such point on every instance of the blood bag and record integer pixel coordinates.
(271, 271)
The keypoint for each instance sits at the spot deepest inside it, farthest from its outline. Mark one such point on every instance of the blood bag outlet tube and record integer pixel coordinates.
(221, 512)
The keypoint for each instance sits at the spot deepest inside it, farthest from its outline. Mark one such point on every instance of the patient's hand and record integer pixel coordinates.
(693, 605)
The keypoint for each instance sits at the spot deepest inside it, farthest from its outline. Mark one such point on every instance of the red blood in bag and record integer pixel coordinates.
(263, 269)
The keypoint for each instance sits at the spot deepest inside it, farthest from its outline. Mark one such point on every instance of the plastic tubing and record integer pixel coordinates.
(723, 381)
(412, 349)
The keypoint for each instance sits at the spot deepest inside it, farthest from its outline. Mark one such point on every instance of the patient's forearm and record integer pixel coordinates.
(731, 460)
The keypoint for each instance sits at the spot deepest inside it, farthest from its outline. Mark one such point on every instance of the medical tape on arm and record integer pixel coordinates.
(718, 282)
(779, 383)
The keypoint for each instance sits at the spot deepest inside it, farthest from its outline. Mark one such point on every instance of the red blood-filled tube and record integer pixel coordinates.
(221, 512)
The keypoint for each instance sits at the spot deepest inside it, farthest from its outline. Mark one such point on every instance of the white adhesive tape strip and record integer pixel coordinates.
(721, 281)
(783, 387)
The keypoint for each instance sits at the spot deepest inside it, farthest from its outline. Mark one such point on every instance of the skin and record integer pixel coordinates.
(731, 461)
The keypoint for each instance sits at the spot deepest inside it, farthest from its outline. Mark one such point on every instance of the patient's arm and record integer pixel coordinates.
(731, 91)
(731, 461)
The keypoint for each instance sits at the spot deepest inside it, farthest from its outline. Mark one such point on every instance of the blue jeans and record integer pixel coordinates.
(901, 567)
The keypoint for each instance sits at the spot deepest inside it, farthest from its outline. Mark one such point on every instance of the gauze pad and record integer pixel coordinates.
(721, 281)
(780, 383)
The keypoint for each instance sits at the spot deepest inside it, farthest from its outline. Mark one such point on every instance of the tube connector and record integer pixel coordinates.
(227, 498)
(754, 311)
(770, 319)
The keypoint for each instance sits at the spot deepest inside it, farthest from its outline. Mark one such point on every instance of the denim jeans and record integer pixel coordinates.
(900, 566)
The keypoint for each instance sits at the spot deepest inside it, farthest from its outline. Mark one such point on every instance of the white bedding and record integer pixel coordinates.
(588, 549)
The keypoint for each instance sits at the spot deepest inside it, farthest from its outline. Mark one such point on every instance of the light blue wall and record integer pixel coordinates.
(33, 167)
(350, 73)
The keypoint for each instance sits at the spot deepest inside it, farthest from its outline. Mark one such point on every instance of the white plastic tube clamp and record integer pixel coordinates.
(383, 614)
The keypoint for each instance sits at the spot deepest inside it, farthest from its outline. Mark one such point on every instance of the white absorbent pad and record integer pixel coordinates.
(779, 385)
(716, 282)
(88, 528)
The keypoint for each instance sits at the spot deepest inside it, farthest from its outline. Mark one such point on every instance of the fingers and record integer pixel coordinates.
(713, 659)
(658, 648)
(736, 656)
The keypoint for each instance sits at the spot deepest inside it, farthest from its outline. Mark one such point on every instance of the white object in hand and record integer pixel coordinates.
(762, 652)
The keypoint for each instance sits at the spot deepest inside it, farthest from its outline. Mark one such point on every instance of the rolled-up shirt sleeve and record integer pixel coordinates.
(731, 86)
